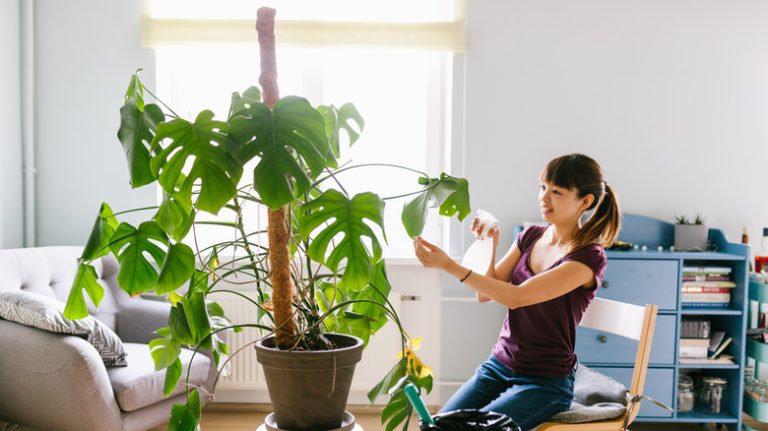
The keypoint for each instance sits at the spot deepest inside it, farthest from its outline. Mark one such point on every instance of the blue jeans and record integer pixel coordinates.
(529, 400)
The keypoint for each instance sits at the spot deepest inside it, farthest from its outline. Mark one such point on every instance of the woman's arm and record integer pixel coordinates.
(539, 288)
(502, 270)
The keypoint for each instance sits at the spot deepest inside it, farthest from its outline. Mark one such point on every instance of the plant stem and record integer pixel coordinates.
(162, 103)
(389, 165)
(136, 210)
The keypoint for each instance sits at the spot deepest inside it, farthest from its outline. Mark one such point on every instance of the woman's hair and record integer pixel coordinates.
(584, 175)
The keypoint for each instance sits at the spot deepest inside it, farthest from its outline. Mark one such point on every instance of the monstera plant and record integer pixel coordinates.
(320, 270)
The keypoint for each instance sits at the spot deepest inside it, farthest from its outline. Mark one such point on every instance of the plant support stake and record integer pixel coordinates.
(279, 237)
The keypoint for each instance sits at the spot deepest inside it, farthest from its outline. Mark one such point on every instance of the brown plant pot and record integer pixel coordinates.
(309, 389)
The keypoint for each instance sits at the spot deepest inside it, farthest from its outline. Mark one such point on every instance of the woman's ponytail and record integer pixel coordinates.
(603, 226)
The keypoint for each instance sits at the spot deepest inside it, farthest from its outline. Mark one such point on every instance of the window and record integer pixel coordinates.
(403, 92)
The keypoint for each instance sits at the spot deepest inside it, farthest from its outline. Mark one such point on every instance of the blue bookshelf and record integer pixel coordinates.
(655, 277)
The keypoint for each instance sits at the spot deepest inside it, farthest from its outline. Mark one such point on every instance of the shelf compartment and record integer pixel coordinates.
(756, 409)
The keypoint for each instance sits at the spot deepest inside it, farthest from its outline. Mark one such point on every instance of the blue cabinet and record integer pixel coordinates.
(654, 277)
(594, 347)
(642, 281)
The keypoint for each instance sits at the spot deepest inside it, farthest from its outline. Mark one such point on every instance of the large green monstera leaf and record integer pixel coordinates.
(450, 193)
(285, 139)
(137, 129)
(345, 119)
(213, 156)
(342, 215)
(132, 246)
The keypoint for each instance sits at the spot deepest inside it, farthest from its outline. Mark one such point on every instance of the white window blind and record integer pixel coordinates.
(430, 24)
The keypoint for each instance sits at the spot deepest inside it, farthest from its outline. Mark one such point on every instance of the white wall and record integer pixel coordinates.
(671, 97)
(86, 52)
(11, 204)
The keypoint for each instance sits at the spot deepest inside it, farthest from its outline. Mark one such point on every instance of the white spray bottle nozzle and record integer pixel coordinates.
(487, 220)
(479, 255)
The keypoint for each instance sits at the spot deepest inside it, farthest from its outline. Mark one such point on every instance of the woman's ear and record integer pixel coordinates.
(587, 201)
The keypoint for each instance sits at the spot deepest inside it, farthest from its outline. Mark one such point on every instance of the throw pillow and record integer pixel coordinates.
(46, 313)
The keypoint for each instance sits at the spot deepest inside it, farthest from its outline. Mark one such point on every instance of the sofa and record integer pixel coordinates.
(55, 382)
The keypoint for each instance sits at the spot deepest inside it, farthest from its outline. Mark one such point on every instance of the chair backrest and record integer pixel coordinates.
(630, 321)
(50, 271)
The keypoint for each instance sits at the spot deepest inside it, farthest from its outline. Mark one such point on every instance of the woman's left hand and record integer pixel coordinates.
(430, 255)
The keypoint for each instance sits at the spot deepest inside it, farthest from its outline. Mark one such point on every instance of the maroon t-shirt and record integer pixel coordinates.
(539, 339)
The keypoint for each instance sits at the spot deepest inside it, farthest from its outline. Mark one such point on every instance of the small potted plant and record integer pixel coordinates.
(691, 235)
(320, 277)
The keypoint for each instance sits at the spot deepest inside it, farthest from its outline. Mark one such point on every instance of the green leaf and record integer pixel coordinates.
(425, 383)
(377, 290)
(131, 247)
(340, 119)
(178, 267)
(137, 130)
(172, 376)
(414, 215)
(213, 162)
(398, 418)
(397, 402)
(179, 324)
(346, 217)
(196, 312)
(135, 92)
(101, 234)
(87, 279)
(164, 350)
(354, 324)
(174, 218)
(450, 193)
(393, 376)
(186, 417)
(285, 139)
(250, 96)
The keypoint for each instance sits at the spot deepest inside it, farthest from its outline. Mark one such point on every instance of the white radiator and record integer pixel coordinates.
(246, 374)
(378, 357)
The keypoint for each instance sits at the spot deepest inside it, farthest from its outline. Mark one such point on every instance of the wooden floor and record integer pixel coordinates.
(241, 417)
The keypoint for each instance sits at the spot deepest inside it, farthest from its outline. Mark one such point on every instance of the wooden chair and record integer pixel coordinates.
(626, 320)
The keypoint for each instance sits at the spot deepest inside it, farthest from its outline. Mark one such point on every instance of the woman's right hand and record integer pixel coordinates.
(478, 227)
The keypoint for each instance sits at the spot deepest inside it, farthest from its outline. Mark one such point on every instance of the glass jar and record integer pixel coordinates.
(712, 394)
(684, 393)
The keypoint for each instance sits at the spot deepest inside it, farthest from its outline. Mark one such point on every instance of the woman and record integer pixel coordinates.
(547, 279)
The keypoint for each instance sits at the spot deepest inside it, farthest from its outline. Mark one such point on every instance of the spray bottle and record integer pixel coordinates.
(479, 254)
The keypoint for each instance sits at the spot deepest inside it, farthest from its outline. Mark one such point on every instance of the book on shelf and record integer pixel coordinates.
(721, 347)
(705, 297)
(703, 349)
(706, 270)
(699, 289)
(705, 304)
(706, 278)
(727, 284)
(722, 359)
(694, 328)
(694, 347)
(716, 340)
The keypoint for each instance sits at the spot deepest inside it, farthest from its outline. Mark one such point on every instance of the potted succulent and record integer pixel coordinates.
(320, 277)
(691, 234)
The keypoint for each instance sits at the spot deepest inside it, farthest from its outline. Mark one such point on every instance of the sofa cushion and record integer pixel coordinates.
(42, 312)
(139, 385)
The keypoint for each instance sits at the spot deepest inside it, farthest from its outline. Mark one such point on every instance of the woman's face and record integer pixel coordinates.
(560, 205)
